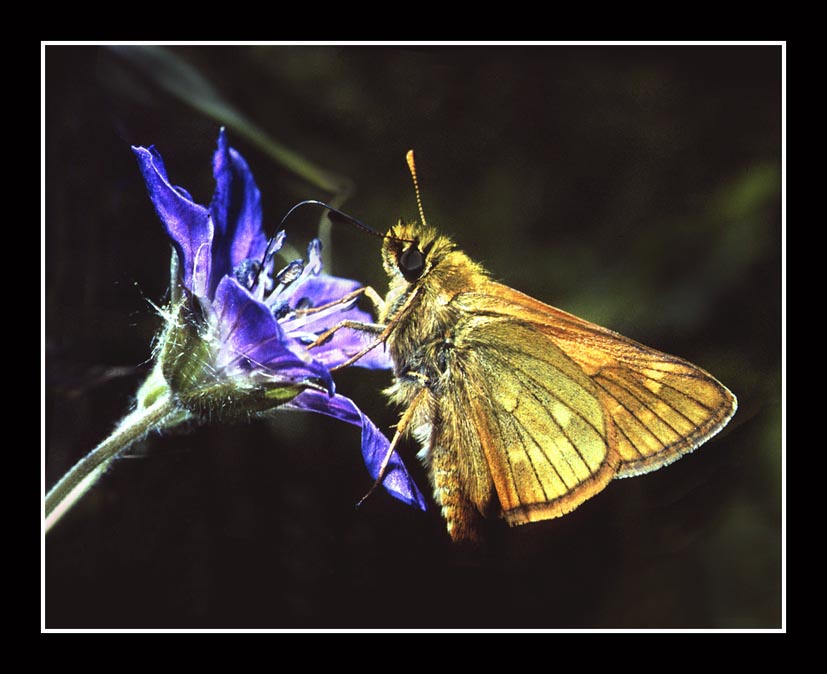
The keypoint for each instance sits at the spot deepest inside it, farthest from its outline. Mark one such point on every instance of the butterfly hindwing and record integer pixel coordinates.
(578, 404)
(539, 419)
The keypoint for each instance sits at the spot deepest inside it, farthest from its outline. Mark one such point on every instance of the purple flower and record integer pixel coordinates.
(237, 342)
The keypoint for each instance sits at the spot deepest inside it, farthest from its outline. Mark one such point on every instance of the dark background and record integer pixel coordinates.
(638, 187)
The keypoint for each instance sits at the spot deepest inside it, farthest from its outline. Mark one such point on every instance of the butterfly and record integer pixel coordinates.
(523, 411)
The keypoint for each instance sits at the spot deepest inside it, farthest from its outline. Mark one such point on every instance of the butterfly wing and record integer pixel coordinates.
(576, 404)
(539, 419)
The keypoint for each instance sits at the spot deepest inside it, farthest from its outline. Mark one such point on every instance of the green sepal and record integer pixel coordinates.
(184, 357)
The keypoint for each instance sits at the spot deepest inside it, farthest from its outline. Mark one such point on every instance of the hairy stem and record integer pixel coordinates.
(85, 473)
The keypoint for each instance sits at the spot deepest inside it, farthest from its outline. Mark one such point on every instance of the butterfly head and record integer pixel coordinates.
(412, 250)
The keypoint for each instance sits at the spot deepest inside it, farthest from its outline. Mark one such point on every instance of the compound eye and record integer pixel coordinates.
(411, 263)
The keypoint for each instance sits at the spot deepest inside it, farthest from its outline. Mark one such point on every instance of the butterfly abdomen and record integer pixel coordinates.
(461, 515)
(426, 357)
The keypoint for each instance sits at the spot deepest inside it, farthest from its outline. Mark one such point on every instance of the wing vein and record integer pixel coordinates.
(514, 480)
(663, 444)
(681, 391)
(623, 384)
(532, 385)
(539, 384)
(631, 414)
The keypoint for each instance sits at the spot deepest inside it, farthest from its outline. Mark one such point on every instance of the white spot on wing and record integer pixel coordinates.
(562, 414)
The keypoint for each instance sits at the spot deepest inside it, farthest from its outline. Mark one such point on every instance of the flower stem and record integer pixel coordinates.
(86, 472)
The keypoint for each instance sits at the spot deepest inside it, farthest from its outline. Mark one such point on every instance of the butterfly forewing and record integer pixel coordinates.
(662, 409)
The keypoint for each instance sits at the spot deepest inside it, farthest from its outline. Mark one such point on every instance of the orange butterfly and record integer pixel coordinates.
(522, 410)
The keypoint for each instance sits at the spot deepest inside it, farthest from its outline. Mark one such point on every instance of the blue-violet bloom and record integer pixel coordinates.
(238, 328)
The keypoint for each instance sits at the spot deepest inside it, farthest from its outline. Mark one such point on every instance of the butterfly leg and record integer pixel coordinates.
(374, 328)
(367, 291)
(401, 429)
(375, 298)
(353, 325)
(382, 331)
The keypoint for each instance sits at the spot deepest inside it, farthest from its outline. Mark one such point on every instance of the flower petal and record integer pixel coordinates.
(236, 211)
(397, 482)
(252, 341)
(323, 289)
(188, 224)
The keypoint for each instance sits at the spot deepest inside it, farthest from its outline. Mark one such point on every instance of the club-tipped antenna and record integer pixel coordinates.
(334, 214)
(410, 159)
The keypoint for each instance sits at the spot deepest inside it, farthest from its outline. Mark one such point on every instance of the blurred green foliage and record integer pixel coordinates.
(638, 187)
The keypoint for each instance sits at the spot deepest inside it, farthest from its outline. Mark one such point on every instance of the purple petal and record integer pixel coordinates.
(397, 482)
(236, 211)
(252, 339)
(188, 224)
(323, 289)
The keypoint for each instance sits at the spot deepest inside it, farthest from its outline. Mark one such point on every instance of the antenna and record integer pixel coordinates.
(335, 215)
(410, 159)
